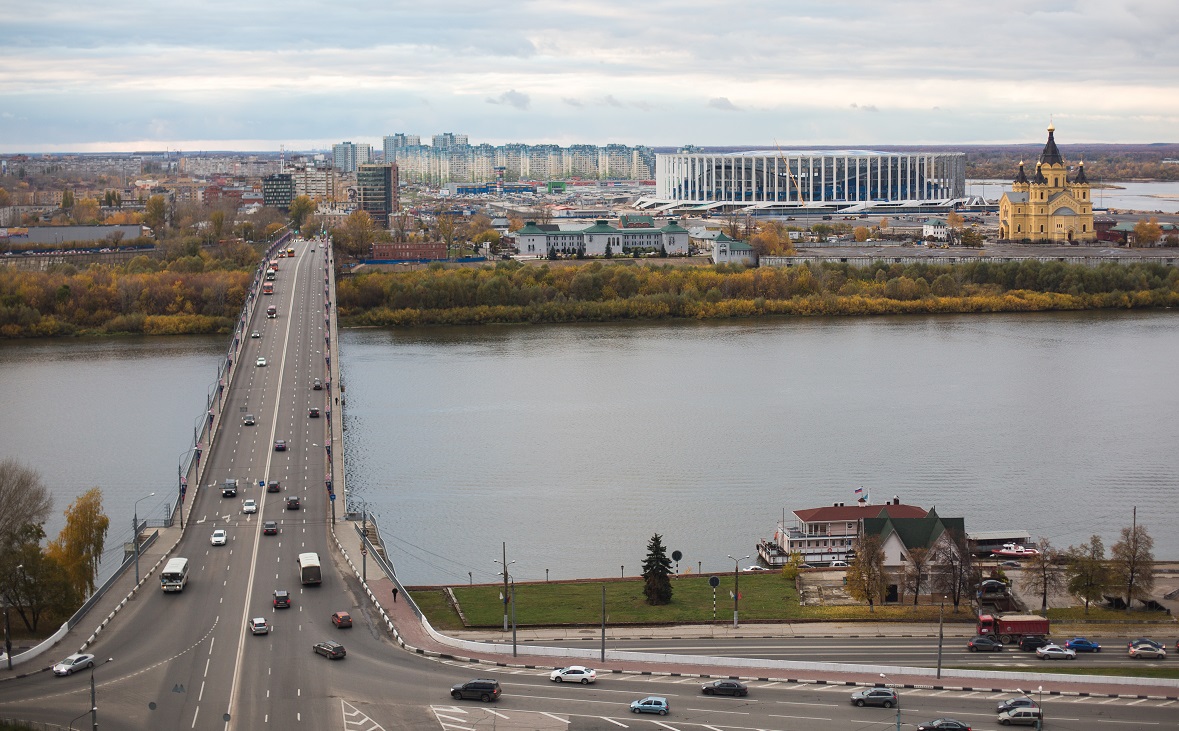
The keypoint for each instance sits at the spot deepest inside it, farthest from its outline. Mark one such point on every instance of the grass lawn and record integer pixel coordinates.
(763, 597)
(1066, 668)
(437, 609)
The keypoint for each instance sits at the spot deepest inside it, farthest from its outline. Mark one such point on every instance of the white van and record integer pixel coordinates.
(1021, 717)
(174, 577)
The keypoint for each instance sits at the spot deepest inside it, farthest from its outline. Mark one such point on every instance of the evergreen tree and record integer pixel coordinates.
(657, 573)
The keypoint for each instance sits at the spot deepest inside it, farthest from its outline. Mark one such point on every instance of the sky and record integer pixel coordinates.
(123, 75)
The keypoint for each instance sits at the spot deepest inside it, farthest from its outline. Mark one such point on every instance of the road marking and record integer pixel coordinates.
(194, 716)
(800, 718)
(664, 725)
(201, 695)
(616, 723)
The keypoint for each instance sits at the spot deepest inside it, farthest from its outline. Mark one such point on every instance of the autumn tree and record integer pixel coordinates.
(301, 208)
(1132, 564)
(85, 211)
(916, 569)
(448, 228)
(354, 237)
(32, 582)
(953, 568)
(67, 199)
(1044, 573)
(5, 198)
(1087, 573)
(867, 580)
(155, 214)
(1147, 233)
(657, 573)
(24, 500)
(861, 234)
(954, 221)
(79, 546)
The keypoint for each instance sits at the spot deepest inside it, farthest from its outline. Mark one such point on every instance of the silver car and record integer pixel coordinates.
(73, 663)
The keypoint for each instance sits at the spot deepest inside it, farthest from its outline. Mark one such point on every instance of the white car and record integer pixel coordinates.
(219, 538)
(574, 674)
(1055, 652)
(73, 663)
(258, 626)
(839, 564)
(755, 567)
(255, 334)
(249, 506)
(260, 362)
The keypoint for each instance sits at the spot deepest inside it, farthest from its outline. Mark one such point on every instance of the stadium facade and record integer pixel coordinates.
(773, 182)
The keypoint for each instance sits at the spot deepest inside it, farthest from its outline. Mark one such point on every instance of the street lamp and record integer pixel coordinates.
(7, 627)
(505, 563)
(135, 539)
(941, 615)
(736, 586)
(93, 700)
(898, 695)
(1040, 703)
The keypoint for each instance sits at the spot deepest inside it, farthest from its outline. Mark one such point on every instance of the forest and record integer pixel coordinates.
(511, 292)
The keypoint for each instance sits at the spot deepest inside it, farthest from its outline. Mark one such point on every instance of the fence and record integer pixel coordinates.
(387, 567)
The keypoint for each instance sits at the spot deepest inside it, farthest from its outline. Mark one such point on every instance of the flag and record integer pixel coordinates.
(859, 490)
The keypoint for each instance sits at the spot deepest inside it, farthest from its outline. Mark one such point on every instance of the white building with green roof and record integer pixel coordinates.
(726, 250)
(626, 239)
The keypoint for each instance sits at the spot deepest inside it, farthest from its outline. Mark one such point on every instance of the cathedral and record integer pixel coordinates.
(1048, 207)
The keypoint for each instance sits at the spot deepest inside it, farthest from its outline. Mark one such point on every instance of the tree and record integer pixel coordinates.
(67, 199)
(793, 566)
(5, 198)
(301, 208)
(1044, 573)
(24, 500)
(79, 545)
(85, 211)
(657, 573)
(954, 571)
(861, 234)
(1133, 563)
(33, 582)
(954, 221)
(1146, 233)
(1087, 573)
(448, 228)
(867, 580)
(971, 237)
(915, 571)
(155, 214)
(217, 224)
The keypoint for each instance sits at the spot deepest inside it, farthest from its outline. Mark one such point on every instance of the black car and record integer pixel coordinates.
(1031, 643)
(984, 642)
(479, 689)
(331, 650)
(293, 502)
(313, 412)
(943, 724)
(272, 486)
(1020, 702)
(282, 599)
(280, 445)
(726, 687)
(270, 528)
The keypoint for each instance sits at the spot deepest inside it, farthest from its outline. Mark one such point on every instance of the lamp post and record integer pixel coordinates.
(736, 586)
(135, 539)
(181, 484)
(1040, 703)
(513, 616)
(505, 563)
(941, 615)
(93, 699)
(898, 695)
(7, 627)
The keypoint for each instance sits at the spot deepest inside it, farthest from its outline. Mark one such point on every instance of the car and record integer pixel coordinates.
(270, 528)
(885, 697)
(574, 674)
(805, 566)
(984, 642)
(280, 445)
(317, 385)
(330, 649)
(482, 689)
(1021, 717)
(993, 586)
(249, 506)
(1143, 641)
(73, 663)
(1055, 652)
(249, 420)
(293, 502)
(1080, 644)
(273, 486)
(650, 704)
(219, 538)
(260, 362)
(1020, 702)
(1029, 643)
(1143, 651)
(943, 724)
(258, 626)
(755, 567)
(1010, 564)
(255, 334)
(725, 687)
(342, 620)
(282, 599)
(313, 412)
(838, 564)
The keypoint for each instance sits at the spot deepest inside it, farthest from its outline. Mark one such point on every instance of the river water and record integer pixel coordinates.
(573, 444)
(1154, 197)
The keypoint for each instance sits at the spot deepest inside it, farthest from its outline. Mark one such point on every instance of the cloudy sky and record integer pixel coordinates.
(253, 74)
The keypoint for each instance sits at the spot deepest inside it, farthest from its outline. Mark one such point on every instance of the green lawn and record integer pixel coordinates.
(437, 609)
(1067, 668)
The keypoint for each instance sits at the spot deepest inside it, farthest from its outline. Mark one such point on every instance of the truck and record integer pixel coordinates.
(272, 312)
(268, 288)
(1011, 628)
(309, 568)
(229, 488)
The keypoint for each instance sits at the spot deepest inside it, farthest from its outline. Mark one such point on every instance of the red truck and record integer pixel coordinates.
(1012, 627)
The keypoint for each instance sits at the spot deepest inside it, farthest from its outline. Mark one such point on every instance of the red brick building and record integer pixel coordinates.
(409, 250)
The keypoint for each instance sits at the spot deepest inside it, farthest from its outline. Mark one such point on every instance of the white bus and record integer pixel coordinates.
(175, 574)
(309, 568)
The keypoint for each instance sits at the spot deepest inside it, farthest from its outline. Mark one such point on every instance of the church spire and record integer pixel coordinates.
(1051, 155)
(1021, 177)
(1081, 179)
(1039, 179)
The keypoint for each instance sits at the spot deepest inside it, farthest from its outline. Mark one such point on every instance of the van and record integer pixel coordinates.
(1021, 717)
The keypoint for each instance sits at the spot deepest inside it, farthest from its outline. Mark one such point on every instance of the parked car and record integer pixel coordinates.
(985, 643)
(725, 687)
(1055, 652)
(342, 620)
(258, 626)
(273, 486)
(249, 420)
(1020, 702)
(1144, 651)
(313, 412)
(249, 506)
(839, 564)
(943, 724)
(574, 674)
(1021, 717)
(329, 649)
(260, 362)
(1030, 643)
(280, 445)
(270, 528)
(885, 697)
(755, 567)
(73, 663)
(1010, 564)
(282, 599)
(219, 537)
(1080, 644)
(651, 704)
(483, 689)
(293, 502)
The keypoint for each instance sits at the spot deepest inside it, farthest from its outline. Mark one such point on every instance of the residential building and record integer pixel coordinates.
(900, 535)
(935, 228)
(600, 238)
(727, 250)
(823, 535)
(1049, 207)
(348, 156)
(376, 186)
(317, 180)
(278, 190)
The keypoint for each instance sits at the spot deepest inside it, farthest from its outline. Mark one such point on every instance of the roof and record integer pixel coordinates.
(1021, 197)
(914, 532)
(673, 228)
(530, 228)
(934, 222)
(842, 513)
(633, 221)
(1021, 177)
(600, 227)
(1051, 155)
(1080, 179)
(739, 246)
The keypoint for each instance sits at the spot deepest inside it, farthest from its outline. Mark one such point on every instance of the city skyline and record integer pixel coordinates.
(216, 76)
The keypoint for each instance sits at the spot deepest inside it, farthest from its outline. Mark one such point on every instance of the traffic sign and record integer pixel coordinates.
(713, 582)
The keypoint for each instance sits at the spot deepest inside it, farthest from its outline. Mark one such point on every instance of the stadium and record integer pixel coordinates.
(828, 181)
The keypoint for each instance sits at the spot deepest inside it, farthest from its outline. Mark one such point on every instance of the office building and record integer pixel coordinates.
(278, 190)
(376, 186)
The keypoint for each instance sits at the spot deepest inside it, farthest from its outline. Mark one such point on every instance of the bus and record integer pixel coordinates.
(309, 568)
(268, 288)
(290, 252)
(175, 574)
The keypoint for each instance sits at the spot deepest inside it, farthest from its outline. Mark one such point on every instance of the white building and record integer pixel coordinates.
(935, 228)
(730, 251)
(629, 237)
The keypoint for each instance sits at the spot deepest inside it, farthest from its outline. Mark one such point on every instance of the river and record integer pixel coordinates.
(1154, 197)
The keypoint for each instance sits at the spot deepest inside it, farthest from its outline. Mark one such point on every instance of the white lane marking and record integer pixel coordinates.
(616, 723)
(497, 714)
(194, 716)
(201, 695)
(555, 718)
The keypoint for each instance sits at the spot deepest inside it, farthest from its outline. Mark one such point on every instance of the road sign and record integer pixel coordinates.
(333, 497)
(363, 551)
(713, 582)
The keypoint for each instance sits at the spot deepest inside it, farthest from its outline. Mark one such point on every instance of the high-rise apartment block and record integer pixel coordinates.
(278, 190)
(317, 180)
(376, 185)
(347, 156)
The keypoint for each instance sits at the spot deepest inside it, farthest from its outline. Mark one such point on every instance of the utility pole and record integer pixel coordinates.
(736, 586)
(506, 595)
(941, 615)
(603, 623)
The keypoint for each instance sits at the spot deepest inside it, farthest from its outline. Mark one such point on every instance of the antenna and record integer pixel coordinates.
(282, 153)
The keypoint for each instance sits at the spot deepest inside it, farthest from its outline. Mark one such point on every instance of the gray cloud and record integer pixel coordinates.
(610, 100)
(865, 107)
(517, 99)
(572, 102)
(722, 103)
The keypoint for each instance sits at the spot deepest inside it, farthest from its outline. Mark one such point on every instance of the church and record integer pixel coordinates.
(1048, 207)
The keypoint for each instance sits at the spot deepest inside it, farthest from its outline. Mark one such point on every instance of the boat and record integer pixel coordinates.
(1014, 550)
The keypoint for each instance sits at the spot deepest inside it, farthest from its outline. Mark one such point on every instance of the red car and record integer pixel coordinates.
(342, 619)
